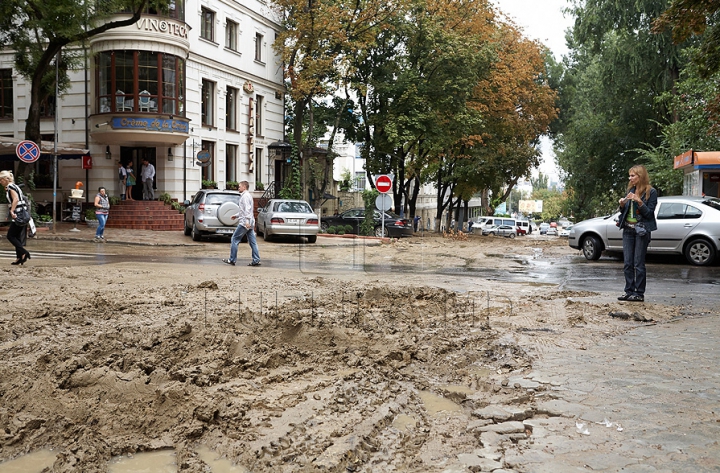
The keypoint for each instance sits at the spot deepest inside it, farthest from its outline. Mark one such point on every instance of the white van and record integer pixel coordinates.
(524, 227)
(482, 222)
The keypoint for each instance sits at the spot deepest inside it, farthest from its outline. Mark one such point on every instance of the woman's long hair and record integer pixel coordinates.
(642, 188)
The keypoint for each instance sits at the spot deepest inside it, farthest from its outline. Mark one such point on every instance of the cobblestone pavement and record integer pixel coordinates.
(647, 401)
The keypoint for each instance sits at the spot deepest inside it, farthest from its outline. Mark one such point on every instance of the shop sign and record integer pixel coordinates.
(150, 124)
(163, 26)
(683, 160)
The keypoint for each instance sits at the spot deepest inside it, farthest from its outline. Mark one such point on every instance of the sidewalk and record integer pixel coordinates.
(70, 232)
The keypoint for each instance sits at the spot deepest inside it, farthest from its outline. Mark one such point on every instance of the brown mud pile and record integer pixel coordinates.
(322, 374)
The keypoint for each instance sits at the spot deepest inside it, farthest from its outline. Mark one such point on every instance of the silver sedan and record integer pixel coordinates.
(287, 217)
(688, 226)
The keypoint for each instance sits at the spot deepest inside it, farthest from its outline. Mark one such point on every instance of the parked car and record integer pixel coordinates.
(508, 231)
(523, 227)
(551, 231)
(287, 217)
(544, 228)
(565, 231)
(688, 226)
(210, 212)
(395, 226)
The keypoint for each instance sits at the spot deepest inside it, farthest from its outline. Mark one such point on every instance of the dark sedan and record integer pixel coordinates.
(395, 226)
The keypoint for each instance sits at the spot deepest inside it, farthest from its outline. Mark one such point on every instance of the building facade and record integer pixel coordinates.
(197, 90)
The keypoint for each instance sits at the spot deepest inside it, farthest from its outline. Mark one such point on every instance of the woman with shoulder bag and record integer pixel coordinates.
(18, 205)
(637, 220)
(102, 209)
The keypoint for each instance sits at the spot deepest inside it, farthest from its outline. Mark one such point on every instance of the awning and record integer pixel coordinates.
(64, 150)
(697, 158)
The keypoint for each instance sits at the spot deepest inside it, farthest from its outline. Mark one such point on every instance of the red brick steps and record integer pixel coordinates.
(145, 215)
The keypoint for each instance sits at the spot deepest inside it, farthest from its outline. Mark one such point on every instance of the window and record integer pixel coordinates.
(208, 172)
(172, 9)
(47, 107)
(359, 181)
(6, 94)
(670, 211)
(258, 164)
(231, 108)
(207, 24)
(231, 35)
(208, 102)
(258, 115)
(258, 47)
(140, 81)
(231, 173)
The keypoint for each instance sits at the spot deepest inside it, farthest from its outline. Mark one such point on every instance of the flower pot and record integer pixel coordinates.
(92, 223)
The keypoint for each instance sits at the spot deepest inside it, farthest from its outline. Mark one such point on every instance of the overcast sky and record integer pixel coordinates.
(542, 20)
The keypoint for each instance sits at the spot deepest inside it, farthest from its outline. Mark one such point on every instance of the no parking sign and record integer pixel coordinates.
(27, 151)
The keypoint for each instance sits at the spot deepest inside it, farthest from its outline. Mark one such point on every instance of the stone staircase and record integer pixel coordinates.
(145, 215)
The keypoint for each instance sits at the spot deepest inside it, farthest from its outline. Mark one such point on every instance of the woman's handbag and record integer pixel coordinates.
(22, 216)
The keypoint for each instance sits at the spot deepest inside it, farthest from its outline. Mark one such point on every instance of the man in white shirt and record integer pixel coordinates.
(147, 175)
(246, 224)
(122, 180)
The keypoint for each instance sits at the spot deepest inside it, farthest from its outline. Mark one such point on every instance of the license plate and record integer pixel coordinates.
(225, 230)
(293, 220)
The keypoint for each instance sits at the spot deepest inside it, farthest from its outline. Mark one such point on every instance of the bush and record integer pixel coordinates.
(90, 214)
(348, 228)
(332, 230)
(165, 197)
(341, 232)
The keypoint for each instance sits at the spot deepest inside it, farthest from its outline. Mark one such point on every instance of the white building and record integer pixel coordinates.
(201, 76)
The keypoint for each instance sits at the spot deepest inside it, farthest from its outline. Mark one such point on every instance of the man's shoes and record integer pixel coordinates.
(255, 263)
(624, 297)
(97, 240)
(636, 298)
(227, 261)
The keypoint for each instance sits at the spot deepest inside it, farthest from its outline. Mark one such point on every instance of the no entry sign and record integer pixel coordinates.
(383, 183)
(27, 151)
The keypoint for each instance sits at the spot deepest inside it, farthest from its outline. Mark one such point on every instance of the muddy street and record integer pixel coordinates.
(331, 358)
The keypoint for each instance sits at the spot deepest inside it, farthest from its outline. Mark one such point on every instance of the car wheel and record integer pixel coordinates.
(324, 227)
(699, 252)
(196, 236)
(186, 230)
(257, 229)
(592, 248)
(266, 236)
(312, 239)
(512, 235)
(381, 232)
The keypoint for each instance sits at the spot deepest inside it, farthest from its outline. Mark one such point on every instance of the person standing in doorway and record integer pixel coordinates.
(147, 175)
(102, 209)
(637, 221)
(122, 180)
(130, 181)
(246, 225)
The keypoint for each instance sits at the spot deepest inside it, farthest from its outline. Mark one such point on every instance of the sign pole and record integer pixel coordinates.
(55, 139)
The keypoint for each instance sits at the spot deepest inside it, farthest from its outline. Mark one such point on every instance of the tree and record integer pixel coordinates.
(688, 18)
(617, 70)
(38, 32)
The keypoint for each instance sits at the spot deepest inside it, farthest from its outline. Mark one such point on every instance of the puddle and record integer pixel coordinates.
(31, 463)
(404, 422)
(435, 404)
(159, 461)
(218, 465)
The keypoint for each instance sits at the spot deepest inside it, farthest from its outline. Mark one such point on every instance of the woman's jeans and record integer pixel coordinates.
(101, 225)
(634, 251)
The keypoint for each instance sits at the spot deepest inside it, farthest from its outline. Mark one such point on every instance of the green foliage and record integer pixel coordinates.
(114, 200)
(44, 218)
(90, 214)
(232, 185)
(165, 197)
(332, 230)
(208, 184)
(345, 180)
(367, 227)
(348, 228)
(293, 185)
(259, 186)
(178, 206)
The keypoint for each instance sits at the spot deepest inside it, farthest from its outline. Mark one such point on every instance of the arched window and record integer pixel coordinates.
(140, 81)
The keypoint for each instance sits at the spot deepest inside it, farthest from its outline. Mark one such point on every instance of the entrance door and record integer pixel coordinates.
(136, 157)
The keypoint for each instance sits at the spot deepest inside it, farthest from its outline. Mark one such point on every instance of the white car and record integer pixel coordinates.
(287, 217)
(686, 225)
(565, 231)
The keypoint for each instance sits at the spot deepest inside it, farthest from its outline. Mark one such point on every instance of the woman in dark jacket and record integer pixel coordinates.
(637, 220)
